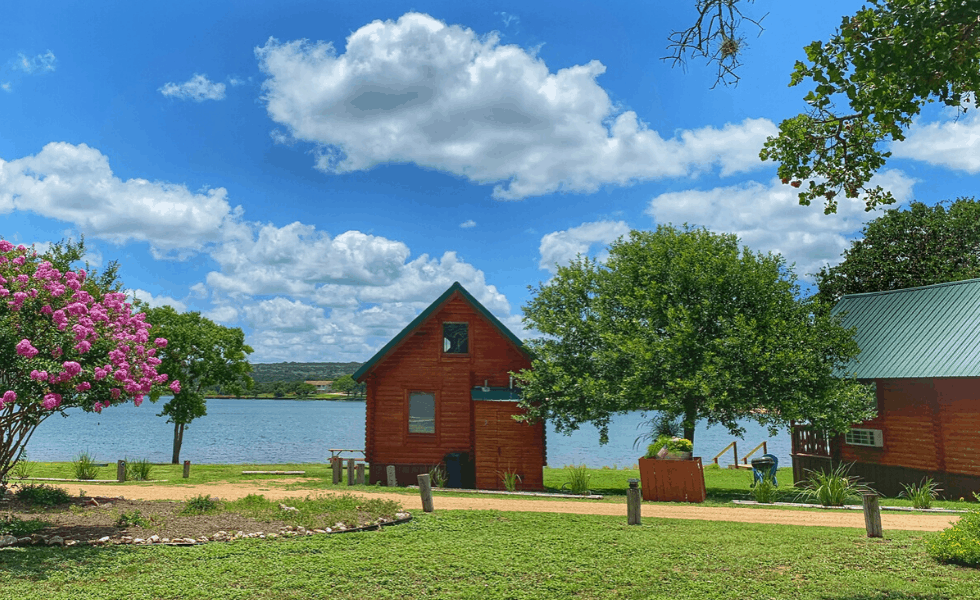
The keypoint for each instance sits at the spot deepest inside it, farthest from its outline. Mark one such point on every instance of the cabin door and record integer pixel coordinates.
(498, 443)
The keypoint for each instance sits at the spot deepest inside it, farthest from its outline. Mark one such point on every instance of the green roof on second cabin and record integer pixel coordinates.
(930, 331)
(425, 314)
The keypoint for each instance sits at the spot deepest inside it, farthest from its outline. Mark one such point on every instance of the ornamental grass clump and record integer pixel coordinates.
(832, 488)
(138, 470)
(578, 480)
(84, 467)
(765, 491)
(201, 505)
(921, 494)
(959, 544)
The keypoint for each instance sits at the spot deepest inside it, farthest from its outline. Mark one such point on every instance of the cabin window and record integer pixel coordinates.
(422, 412)
(455, 338)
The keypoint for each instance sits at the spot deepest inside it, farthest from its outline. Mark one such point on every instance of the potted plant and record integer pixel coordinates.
(676, 448)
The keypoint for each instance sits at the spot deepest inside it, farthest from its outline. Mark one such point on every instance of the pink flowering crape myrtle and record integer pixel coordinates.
(64, 342)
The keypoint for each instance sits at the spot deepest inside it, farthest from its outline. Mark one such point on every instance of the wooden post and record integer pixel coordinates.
(350, 471)
(633, 503)
(735, 453)
(336, 469)
(426, 490)
(392, 479)
(360, 474)
(120, 471)
(872, 516)
(187, 469)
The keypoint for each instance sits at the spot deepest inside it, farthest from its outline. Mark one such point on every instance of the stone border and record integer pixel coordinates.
(506, 493)
(221, 536)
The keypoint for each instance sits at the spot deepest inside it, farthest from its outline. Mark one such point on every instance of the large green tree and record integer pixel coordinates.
(686, 322)
(921, 245)
(866, 85)
(200, 354)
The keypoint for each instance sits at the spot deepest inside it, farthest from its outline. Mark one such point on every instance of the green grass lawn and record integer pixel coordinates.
(723, 485)
(489, 554)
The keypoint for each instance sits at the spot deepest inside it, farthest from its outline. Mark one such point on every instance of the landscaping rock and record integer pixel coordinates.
(7, 540)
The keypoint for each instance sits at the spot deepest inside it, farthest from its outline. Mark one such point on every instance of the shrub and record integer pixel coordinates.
(132, 519)
(578, 479)
(138, 470)
(11, 525)
(832, 488)
(959, 544)
(42, 495)
(765, 491)
(660, 425)
(200, 505)
(674, 444)
(84, 467)
(921, 494)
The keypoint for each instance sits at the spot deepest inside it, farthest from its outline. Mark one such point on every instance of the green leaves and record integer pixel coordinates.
(685, 321)
(884, 64)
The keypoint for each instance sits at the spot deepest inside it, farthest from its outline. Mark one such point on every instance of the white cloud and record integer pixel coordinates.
(468, 224)
(157, 301)
(222, 314)
(954, 144)
(198, 88)
(40, 63)
(5, 86)
(418, 91)
(75, 184)
(768, 217)
(560, 247)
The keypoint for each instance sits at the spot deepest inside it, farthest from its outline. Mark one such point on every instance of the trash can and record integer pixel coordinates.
(454, 469)
(764, 468)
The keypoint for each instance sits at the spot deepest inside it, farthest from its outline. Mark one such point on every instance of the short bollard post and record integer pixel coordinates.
(360, 474)
(872, 515)
(350, 471)
(392, 480)
(120, 471)
(633, 503)
(336, 469)
(187, 469)
(426, 490)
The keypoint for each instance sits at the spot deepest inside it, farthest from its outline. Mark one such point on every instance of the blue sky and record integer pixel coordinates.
(318, 172)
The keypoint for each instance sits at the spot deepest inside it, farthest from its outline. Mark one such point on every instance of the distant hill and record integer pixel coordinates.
(295, 371)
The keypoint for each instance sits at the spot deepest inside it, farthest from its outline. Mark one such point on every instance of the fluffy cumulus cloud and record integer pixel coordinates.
(74, 183)
(560, 247)
(419, 91)
(157, 301)
(305, 293)
(768, 218)
(39, 63)
(198, 88)
(954, 144)
(468, 224)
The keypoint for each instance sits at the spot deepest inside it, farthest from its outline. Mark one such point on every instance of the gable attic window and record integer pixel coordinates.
(455, 338)
(421, 412)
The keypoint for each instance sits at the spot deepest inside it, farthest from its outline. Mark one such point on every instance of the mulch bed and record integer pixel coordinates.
(95, 521)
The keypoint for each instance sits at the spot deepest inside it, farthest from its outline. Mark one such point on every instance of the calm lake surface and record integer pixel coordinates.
(290, 431)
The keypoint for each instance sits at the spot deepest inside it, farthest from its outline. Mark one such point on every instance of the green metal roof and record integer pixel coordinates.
(425, 314)
(930, 331)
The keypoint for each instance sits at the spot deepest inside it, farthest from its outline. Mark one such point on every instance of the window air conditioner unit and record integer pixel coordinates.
(864, 437)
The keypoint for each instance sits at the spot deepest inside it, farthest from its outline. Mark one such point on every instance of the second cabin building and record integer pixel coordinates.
(440, 392)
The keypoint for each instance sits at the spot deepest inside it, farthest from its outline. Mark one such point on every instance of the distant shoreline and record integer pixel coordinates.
(342, 399)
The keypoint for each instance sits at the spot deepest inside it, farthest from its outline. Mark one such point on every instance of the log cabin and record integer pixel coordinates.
(921, 348)
(440, 392)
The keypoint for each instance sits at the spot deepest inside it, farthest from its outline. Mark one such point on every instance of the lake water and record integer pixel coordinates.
(290, 431)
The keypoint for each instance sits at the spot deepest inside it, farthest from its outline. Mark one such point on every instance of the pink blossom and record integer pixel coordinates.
(22, 279)
(19, 260)
(25, 349)
(56, 352)
(83, 386)
(83, 347)
(72, 368)
(51, 401)
(6, 246)
(9, 397)
(175, 386)
(138, 400)
(160, 342)
(115, 393)
(4, 292)
(39, 375)
(97, 407)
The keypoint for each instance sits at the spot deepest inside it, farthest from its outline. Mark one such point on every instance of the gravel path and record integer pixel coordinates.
(232, 491)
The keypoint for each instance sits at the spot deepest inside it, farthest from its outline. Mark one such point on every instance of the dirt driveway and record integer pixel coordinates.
(830, 518)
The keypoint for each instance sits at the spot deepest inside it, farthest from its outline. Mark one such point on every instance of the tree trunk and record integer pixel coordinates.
(178, 440)
(690, 418)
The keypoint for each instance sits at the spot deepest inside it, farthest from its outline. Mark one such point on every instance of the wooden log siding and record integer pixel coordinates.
(504, 445)
(419, 364)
